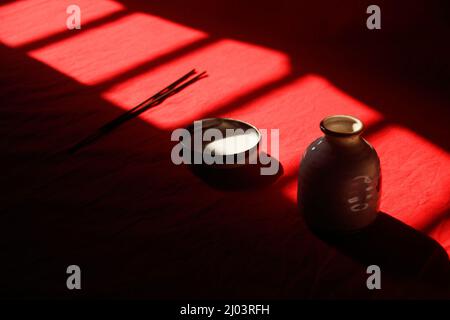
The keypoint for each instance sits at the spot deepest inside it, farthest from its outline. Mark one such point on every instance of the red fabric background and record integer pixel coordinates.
(140, 226)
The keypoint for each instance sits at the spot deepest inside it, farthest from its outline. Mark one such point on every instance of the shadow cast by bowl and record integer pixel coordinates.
(241, 178)
(401, 252)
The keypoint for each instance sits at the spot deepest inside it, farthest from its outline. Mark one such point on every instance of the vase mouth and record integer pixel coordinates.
(341, 125)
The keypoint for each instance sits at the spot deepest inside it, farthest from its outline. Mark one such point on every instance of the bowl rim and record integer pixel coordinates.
(229, 119)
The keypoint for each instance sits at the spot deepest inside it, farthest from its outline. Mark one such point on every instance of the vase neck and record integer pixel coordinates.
(346, 141)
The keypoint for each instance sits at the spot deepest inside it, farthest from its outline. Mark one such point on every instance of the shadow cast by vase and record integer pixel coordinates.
(401, 252)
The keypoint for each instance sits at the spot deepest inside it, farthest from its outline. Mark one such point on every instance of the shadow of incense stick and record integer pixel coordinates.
(153, 101)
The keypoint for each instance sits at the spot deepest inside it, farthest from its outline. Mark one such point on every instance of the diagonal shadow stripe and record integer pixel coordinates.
(36, 44)
(154, 63)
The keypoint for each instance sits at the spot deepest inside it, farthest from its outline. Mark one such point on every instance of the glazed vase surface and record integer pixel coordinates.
(339, 180)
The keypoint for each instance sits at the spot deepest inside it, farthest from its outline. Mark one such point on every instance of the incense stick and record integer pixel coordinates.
(153, 101)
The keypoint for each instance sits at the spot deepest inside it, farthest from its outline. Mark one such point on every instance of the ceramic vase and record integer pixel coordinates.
(339, 179)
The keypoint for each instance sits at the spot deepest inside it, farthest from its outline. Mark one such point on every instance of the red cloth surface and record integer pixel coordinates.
(140, 226)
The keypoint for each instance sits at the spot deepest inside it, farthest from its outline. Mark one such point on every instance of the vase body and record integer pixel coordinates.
(339, 181)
